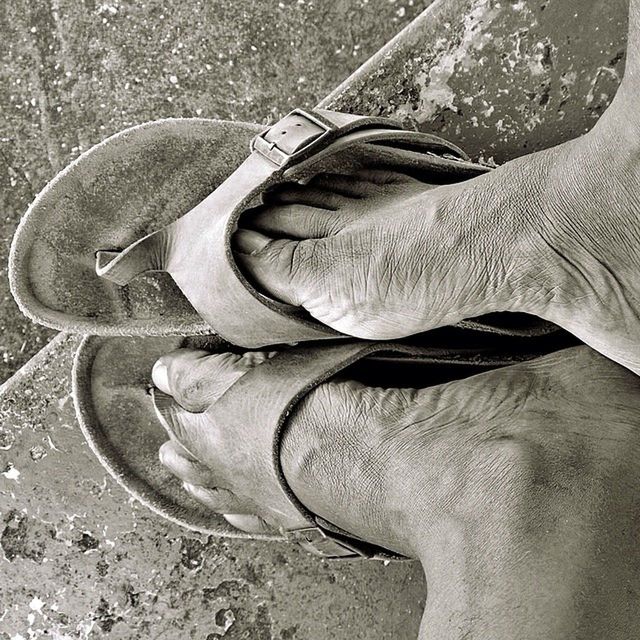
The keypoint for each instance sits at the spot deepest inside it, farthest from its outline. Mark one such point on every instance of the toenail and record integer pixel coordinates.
(160, 377)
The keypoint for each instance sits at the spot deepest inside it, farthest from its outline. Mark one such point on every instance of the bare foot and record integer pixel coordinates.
(515, 488)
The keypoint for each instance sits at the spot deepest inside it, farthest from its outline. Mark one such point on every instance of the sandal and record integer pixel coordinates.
(167, 196)
(121, 418)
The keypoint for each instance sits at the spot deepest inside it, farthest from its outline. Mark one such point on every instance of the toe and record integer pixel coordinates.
(288, 221)
(306, 195)
(176, 374)
(248, 523)
(183, 465)
(219, 499)
(192, 431)
(195, 379)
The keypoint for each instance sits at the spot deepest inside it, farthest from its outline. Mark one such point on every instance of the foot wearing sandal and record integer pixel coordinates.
(381, 255)
(502, 485)
(343, 442)
(98, 274)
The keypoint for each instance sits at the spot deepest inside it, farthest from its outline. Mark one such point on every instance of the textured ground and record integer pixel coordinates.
(78, 558)
(75, 71)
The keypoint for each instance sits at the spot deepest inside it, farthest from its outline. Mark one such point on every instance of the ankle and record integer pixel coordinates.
(341, 459)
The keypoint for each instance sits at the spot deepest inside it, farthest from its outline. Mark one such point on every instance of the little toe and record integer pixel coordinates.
(184, 466)
(383, 177)
(219, 499)
(306, 195)
(248, 523)
(348, 185)
(297, 221)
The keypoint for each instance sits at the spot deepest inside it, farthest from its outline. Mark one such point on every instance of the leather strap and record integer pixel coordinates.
(196, 249)
(258, 405)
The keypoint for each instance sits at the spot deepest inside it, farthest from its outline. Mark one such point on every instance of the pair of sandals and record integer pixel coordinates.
(131, 245)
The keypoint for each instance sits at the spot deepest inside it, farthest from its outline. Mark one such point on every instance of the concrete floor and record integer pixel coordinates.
(81, 560)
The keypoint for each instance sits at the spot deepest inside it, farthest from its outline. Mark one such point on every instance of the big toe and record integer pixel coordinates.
(196, 379)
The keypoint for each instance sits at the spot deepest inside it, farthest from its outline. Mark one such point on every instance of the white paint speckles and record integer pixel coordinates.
(85, 628)
(109, 9)
(610, 71)
(10, 472)
(435, 92)
(538, 61)
(36, 604)
(532, 122)
(51, 445)
(568, 79)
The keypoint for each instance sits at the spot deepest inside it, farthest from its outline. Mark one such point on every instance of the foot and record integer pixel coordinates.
(381, 255)
(206, 462)
(513, 488)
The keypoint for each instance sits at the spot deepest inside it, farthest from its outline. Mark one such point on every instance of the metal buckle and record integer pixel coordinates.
(280, 157)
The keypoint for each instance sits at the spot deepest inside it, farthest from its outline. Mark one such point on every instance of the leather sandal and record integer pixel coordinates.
(121, 419)
(166, 196)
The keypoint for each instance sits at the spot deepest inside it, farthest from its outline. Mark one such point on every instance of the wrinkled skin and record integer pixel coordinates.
(510, 487)
(517, 488)
(381, 255)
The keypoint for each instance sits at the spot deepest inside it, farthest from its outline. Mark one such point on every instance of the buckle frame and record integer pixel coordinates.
(280, 157)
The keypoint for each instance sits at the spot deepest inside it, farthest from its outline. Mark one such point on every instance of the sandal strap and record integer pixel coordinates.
(322, 542)
(267, 395)
(197, 246)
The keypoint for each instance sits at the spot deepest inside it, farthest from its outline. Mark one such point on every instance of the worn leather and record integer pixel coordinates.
(196, 249)
(127, 186)
(111, 378)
